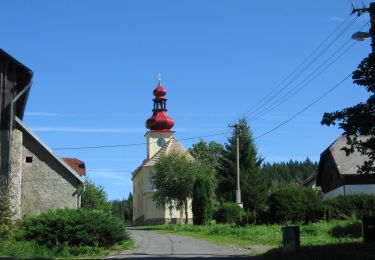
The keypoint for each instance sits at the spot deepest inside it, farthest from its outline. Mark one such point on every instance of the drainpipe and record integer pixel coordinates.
(12, 103)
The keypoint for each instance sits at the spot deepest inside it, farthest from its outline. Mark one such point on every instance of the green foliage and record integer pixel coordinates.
(281, 173)
(207, 153)
(253, 183)
(347, 206)
(202, 205)
(74, 228)
(31, 249)
(229, 213)
(123, 209)
(94, 197)
(319, 233)
(6, 224)
(295, 203)
(359, 119)
(173, 181)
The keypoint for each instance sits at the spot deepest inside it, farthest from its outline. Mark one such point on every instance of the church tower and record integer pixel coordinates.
(159, 124)
(160, 142)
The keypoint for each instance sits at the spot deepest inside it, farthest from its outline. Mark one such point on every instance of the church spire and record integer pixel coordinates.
(160, 121)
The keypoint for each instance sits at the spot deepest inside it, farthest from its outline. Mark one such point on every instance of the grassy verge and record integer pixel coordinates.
(30, 249)
(321, 233)
(337, 239)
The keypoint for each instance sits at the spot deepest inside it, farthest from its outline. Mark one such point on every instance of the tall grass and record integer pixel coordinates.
(321, 233)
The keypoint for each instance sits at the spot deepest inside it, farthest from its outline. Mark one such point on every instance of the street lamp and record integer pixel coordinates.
(360, 36)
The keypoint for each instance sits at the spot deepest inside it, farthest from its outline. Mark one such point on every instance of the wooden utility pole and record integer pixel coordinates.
(238, 189)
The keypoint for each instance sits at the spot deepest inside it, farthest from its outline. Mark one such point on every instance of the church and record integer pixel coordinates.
(160, 141)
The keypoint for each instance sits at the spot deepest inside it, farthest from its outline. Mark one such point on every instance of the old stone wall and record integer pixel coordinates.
(15, 176)
(46, 183)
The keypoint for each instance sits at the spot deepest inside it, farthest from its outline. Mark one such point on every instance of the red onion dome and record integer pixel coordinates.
(160, 121)
(160, 91)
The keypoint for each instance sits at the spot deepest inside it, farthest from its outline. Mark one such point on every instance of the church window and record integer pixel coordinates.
(29, 159)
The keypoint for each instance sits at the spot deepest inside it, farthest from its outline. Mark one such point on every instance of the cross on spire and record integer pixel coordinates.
(159, 77)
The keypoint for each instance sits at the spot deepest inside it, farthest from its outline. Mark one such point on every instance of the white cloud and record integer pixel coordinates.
(108, 175)
(336, 19)
(42, 114)
(87, 130)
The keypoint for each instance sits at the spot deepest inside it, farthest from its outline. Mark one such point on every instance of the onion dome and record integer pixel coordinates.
(160, 91)
(160, 121)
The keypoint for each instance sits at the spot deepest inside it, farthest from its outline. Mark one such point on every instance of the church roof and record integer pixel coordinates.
(172, 146)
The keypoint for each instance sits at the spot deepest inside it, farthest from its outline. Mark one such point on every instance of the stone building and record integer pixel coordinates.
(160, 141)
(37, 179)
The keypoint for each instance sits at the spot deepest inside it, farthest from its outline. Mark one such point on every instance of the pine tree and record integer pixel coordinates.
(253, 183)
(202, 205)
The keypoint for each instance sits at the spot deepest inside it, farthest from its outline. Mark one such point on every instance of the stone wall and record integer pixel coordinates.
(15, 176)
(46, 183)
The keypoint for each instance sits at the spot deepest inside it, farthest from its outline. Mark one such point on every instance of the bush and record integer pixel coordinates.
(295, 203)
(6, 224)
(202, 201)
(74, 228)
(229, 213)
(347, 206)
(94, 197)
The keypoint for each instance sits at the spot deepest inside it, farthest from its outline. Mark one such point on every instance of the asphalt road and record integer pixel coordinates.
(168, 246)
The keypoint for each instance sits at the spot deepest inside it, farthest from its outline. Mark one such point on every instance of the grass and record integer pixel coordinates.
(336, 239)
(321, 233)
(30, 249)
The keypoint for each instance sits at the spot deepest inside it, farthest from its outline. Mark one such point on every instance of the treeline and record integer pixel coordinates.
(282, 173)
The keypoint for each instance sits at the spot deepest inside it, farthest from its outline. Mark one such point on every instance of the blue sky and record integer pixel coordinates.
(95, 66)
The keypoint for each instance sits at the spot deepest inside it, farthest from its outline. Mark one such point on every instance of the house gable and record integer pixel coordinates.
(47, 181)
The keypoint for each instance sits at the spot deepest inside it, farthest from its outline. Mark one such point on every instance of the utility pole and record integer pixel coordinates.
(238, 189)
(360, 35)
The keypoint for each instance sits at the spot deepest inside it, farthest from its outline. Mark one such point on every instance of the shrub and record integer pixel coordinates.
(6, 224)
(202, 201)
(295, 203)
(94, 197)
(347, 206)
(74, 228)
(229, 213)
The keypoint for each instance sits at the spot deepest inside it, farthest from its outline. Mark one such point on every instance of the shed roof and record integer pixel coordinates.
(23, 77)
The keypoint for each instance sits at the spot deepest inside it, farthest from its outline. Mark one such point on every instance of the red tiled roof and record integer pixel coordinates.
(76, 165)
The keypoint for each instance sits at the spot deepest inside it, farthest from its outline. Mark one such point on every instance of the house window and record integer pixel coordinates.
(29, 159)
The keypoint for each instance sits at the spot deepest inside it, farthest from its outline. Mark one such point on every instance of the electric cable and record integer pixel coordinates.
(133, 144)
(305, 108)
(266, 99)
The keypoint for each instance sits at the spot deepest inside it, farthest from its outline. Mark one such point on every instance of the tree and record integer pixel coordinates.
(123, 209)
(203, 193)
(207, 153)
(173, 181)
(359, 119)
(253, 182)
(281, 173)
(94, 197)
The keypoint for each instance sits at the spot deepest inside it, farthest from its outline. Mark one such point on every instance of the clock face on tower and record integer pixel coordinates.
(160, 142)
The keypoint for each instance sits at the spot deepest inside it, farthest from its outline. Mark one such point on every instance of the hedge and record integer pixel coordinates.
(74, 227)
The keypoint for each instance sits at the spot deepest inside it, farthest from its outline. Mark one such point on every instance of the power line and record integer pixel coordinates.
(301, 86)
(132, 144)
(304, 109)
(266, 99)
(108, 171)
(309, 78)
